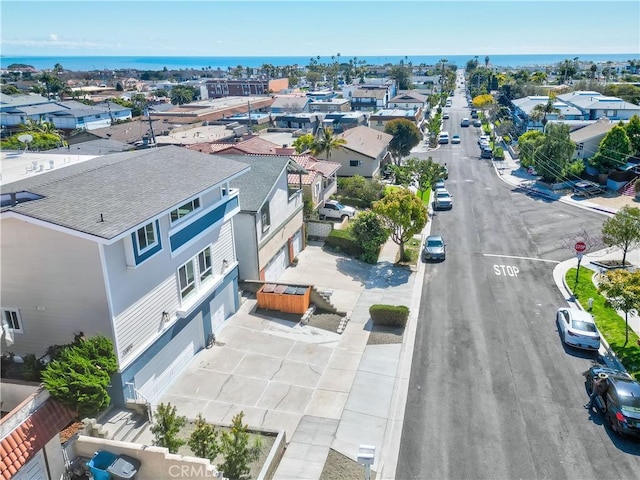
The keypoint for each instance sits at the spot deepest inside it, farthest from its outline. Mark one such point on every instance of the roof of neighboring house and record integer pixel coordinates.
(596, 129)
(394, 113)
(378, 93)
(21, 100)
(100, 146)
(598, 101)
(131, 132)
(365, 140)
(314, 167)
(409, 96)
(256, 185)
(39, 109)
(110, 195)
(290, 101)
(255, 146)
(21, 445)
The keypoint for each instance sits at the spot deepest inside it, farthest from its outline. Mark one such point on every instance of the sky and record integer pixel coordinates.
(317, 27)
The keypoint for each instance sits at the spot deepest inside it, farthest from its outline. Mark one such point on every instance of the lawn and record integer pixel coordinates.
(412, 251)
(608, 321)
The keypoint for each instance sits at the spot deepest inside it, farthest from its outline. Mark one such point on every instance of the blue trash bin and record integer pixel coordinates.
(99, 463)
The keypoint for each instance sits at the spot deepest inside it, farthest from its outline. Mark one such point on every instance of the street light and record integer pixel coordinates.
(366, 457)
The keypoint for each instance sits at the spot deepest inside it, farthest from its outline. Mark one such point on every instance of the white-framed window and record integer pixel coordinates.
(355, 163)
(187, 278)
(11, 320)
(204, 264)
(317, 187)
(184, 210)
(265, 217)
(147, 237)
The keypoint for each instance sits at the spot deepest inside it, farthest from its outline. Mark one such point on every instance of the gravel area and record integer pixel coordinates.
(341, 467)
(381, 335)
(320, 319)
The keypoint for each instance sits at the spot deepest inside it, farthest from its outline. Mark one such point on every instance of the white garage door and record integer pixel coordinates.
(276, 266)
(34, 469)
(162, 369)
(221, 307)
(297, 243)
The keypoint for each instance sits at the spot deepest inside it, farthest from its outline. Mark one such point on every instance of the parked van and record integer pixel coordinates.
(443, 137)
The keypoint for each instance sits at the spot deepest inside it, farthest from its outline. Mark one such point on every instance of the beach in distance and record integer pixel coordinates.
(89, 63)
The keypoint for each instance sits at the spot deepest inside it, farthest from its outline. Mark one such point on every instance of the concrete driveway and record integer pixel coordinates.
(278, 371)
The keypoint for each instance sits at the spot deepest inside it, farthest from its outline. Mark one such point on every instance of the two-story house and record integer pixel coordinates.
(269, 227)
(378, 120)
(364, 153)
(138, 246)
(409, 100)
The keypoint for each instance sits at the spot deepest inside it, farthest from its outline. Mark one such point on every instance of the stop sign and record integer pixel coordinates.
(580, 247)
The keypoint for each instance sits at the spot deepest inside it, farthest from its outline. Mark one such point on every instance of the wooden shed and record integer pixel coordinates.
(284, 298)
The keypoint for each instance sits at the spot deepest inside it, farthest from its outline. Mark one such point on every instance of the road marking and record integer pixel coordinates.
(520, 258)
(505, 270)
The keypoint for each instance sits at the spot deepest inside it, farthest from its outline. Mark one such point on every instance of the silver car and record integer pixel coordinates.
(434, 248)
(442, 200)
(577, 328)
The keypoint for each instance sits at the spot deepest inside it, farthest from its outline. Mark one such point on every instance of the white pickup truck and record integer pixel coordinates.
(335, 210)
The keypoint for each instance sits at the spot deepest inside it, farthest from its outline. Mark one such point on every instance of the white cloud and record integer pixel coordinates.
(53, 41)
(53, 37)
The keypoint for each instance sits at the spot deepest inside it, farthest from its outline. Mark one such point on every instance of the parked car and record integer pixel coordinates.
(465, 122)
(442, 200)
(455, 139)
(587, 189)
(445, 115)
(434, 248)
(439, 184)
(486, 152)
(577, 328)
(484, 140)
(443, 137)
(620, 403)
(335, 210)
(474, 113)
(477, 122)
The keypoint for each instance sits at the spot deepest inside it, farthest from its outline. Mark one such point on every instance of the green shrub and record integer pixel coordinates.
(389, 315)
(370, 234)
(498, 152)
(32, 368)
(344, 241)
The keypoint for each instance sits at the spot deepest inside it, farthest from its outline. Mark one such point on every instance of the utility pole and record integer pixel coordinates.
(153, 137)
(249, 111)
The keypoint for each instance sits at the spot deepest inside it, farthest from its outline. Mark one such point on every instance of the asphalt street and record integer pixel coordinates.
(493, 393)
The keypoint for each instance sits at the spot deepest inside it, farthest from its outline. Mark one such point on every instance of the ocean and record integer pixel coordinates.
(79, 63)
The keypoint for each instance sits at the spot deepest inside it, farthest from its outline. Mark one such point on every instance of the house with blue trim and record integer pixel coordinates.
(138, 246)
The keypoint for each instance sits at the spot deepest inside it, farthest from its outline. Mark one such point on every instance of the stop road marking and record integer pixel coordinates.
(506, 270)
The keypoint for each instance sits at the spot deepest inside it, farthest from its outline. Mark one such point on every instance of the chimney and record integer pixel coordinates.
(285, 150)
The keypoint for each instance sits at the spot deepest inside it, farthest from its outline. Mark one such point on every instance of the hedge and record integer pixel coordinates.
(342, 240)
(389, 315)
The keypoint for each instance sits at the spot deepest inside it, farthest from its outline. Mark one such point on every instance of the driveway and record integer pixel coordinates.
(277, 371)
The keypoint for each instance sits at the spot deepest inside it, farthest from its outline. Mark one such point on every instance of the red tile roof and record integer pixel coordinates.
(30, 436)
(251, 146)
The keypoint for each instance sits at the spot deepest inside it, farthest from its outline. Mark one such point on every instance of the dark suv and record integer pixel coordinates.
(621, 401)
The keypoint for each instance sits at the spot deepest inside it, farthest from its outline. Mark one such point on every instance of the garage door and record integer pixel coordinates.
(276, 266)
(162, 369)
(297, 243)
(34, 469)
(221, 307)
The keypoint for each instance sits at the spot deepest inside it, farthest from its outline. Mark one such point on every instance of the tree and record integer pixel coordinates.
(327, 143)
(552, 158)
(622, 289)
(613, 151)
(406, 135)
(237, 452)
(633, 132)
(366, 189)
(81, 374)
(483, 102)
(370, 233)
(426, 172)
(304, 142)
(404, 215)
(622, 230)
(433, 125)
(203, 441)
(10, 90)
(402, 76)
(527, 144)
(313, 78)
(166, 426)
(181, 95)
(540, 112)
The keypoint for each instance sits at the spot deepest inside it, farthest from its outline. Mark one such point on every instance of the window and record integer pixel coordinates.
(185, 210)
(204, 264)
(11, 320)
(355, 163)
(186, 277)
(265, 217)
(147, 237)
(580, 146)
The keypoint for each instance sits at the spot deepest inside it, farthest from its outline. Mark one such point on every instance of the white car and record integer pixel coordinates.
(577, 328)
(483, 140)
(442, 199)
(335, 210)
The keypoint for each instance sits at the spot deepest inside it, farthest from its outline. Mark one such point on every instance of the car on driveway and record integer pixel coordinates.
(335, 210)
(620, 403)
(455, 139)
(434, 248)
(442, 200)
(577, 328)
(587, 189)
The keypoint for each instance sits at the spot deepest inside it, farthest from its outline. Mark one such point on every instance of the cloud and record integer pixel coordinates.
(54, 41)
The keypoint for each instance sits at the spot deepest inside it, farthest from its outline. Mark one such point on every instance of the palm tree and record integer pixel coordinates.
(539, 77)
(327, 143)
(486, 61)
(540, 111)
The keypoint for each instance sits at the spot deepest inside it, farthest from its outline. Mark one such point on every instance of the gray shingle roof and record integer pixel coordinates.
(127, 189)
(256, 185)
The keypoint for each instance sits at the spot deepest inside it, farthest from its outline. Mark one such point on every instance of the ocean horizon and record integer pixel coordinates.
(91, 63)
